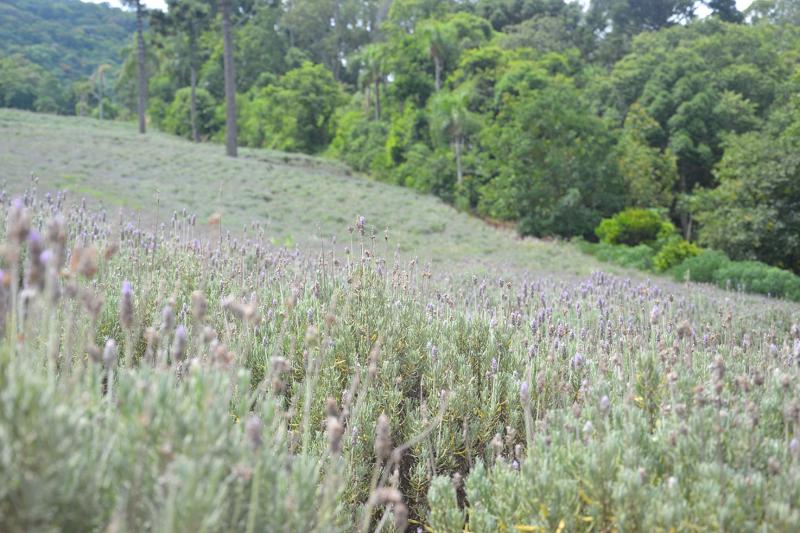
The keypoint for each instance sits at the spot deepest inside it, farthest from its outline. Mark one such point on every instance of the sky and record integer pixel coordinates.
(161, 4)
(153, 4)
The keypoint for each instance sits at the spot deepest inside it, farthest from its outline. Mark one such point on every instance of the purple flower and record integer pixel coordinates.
(524, 392)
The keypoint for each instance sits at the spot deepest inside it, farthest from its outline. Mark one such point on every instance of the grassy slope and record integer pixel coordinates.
(303, 199)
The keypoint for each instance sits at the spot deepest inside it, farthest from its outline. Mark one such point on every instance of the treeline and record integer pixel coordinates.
(531, 111)
(48, 50)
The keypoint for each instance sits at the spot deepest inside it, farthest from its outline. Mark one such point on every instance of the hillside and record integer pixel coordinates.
(68, 38)
(299, 199)
(154, 381)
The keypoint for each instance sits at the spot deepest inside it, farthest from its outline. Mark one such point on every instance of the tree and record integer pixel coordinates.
(649, 173)
(700, 83)
(616, 22)
(447, 39)
(97, 81)
(373, 64)
(230, 81)
(725, 10)
(754, 213)
(295, 113)
(784, 12)
(441, 43)
(186, 19)
(547, 163)
(452, 120)
(504, 13)
(141, 13)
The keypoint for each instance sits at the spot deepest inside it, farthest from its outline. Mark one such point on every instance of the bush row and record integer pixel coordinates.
(642, 239)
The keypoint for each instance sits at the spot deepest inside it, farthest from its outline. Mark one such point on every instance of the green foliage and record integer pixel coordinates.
(634, 226)
(445, 513)
(546, 163)
(700, 268)
(711, 266)
(752, 276)
(68, 40)
(294, 114)
(25, 85)
(674, 252)
(639, 257)
(177, 115)
(649, 173)
(359, 141)
(700, 82)
(755, 211)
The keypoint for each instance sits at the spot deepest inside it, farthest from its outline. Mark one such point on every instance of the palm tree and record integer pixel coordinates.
(440, 43)
(372, 58)
(452, 119)
(97, 81)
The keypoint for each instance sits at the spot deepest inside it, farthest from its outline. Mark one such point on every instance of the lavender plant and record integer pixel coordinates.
(188, 378)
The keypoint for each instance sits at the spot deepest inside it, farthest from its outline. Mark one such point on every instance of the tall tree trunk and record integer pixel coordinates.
(377, 98)
(230, 82)
(193, 104)
(437, 64)
(458, 145)
(140, 60)
(337, 64)
(100, 106)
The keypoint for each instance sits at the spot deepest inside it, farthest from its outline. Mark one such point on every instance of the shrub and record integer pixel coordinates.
(753, 276)
(700, 268)
(358, 141)
(711, 266)
(639, 257)
(635, 226)
(673, 253)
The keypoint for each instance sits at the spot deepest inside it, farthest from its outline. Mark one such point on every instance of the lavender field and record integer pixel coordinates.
(196, 379)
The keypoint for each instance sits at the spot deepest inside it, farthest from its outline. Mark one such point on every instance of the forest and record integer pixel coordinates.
(548, 115)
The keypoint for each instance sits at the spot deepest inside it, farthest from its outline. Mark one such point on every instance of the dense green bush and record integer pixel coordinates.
(700, 268)
(296, 113)
(753, 276)
(639, 257)
(634, 226)
(359, 142)
(712, 266)
(673, 253)
(178, 120)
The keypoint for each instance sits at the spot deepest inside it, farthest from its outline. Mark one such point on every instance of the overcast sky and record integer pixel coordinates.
(155, 4)
(160, 4)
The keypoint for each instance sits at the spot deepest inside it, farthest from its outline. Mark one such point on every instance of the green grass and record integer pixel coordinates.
(304, 199)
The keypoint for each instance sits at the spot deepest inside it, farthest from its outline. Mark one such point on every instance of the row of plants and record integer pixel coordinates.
(645, 240)
(187, 380)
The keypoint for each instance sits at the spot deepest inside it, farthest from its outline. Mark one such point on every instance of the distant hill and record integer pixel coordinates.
(67, 38)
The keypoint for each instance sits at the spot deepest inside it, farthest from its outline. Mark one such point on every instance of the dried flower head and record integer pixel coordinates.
(126, 305)
(383, 439)
(253, 429)
(110, 353)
